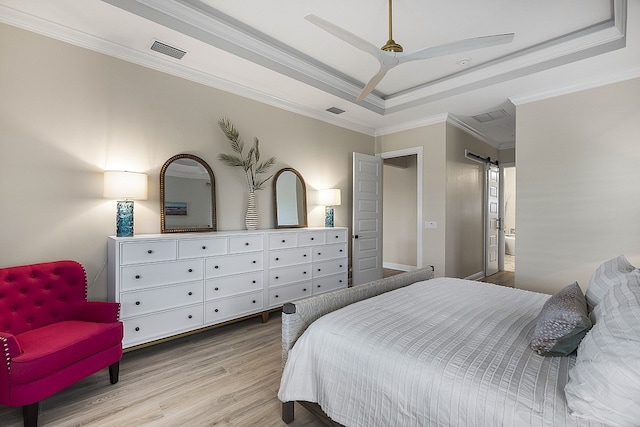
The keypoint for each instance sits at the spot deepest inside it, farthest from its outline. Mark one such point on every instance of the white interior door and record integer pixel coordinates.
(366, 261)
(492, 223)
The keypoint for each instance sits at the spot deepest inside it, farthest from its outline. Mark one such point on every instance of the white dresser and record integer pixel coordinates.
(169, 284)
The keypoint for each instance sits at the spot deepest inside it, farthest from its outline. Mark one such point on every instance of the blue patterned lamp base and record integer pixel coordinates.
(124, 219)
(328, 216)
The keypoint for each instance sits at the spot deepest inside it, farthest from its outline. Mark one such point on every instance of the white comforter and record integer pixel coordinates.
(444, 352)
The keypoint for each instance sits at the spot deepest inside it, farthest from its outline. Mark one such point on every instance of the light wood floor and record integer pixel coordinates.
(228, 376)
(504, 278)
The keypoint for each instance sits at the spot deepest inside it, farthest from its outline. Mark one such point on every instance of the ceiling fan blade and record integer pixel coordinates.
(373, 82)
(343, 35)
(455, 47)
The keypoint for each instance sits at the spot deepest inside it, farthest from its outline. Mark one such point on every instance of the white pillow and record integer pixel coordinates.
(606, 276)
(604, 384)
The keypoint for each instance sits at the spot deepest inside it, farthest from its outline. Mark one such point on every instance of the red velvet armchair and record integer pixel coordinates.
(50, 335)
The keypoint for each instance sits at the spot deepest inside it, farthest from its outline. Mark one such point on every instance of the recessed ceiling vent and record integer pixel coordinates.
(494, 115)
(335, 110)
(167, 50)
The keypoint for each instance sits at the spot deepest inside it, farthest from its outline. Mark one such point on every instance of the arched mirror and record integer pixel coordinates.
(187, 195)
(290, 199)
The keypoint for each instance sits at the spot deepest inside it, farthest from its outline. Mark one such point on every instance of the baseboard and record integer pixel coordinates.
(478, 275)
(400, 267)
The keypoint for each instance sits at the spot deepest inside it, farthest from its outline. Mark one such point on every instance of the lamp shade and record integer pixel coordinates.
(329, 197)
(125, 185)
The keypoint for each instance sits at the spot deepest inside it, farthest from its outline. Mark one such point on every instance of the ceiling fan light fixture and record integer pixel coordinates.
(391, 46)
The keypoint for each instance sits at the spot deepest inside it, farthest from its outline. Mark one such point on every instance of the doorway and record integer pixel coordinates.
(509, 217)
(402, 209)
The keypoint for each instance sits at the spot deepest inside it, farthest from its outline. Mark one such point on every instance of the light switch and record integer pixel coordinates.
(430, 224)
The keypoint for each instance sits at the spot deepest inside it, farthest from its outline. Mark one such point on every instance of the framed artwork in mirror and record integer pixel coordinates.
(187, 195)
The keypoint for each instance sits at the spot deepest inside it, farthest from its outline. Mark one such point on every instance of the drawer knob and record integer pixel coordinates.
(190, 317)
(277, 259)
(254, 261)
(283, 240)
(215, 289)
(137, 328)
(204, 247)
(337, 237)
(215, 266)
(149, 251)
(304, 272)
(304, 289)
(190, 293)
(190, 270)
(319, 286)
(319, 253)
(254, 301)
(276, 296)
(340, 250)
(277, 277)
(246, 244)
(216, 310)
(253, 281)
(305, 255)
(340, 281)
(137, 276)
(137, 302)
(313, 238)
(340, 265)
(319, 269)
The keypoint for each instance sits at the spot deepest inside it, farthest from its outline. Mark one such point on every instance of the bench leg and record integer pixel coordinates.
(114, 372)
(287, 412)
(30, 414)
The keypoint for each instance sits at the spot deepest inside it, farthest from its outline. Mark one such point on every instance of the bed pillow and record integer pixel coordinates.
(604, 384)
(562, 323)
(607, 275)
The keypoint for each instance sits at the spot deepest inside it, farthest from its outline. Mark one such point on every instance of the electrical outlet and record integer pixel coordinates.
(430, 224)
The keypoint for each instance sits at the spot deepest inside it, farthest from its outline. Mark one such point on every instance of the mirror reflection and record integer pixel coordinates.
(290, 195)
(187, 195)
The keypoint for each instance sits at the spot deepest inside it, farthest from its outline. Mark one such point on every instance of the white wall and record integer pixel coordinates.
(578, 185)
(67, 114)
(509, 199)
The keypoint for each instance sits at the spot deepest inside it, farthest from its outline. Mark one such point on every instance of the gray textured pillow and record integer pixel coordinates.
(562, 323)
(607, 275)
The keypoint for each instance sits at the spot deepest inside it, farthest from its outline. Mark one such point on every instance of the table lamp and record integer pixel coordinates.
(329, 198)
(125, 187)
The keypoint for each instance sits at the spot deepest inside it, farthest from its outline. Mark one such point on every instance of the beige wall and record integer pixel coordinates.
(509, 199)
(399, 212)
(578, 175)
(67, 114)
(465, 203)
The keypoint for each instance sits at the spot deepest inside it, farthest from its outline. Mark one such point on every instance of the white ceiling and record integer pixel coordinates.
(266, 50)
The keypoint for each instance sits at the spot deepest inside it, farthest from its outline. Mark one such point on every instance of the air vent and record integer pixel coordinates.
(335, 110)
(494, 115)
(167, 50)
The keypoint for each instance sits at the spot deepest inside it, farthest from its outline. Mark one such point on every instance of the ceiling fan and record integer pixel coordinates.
(391, 54)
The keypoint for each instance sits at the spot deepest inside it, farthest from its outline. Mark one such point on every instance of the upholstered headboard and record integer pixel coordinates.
(298, 315)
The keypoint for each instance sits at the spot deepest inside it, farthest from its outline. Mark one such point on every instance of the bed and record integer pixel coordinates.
(435, 351)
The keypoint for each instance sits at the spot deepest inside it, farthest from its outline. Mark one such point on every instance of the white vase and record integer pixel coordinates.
(251, 219)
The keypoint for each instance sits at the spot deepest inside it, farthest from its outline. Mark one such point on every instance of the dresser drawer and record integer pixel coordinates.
(285, 275)
(326, 268)
(285, 257)
(325, 252)
(229, 308)
(232, 285)
(142, 329)
(155, 299)
(330, 283)
(283, 240)
(233, 264)
(165, 273)
(336, 236)
(278, 296)
(201, 247)
(150, 251)
(248, 243)
(309, 238)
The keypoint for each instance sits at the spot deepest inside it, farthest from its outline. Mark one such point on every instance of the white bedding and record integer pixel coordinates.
(444, 352)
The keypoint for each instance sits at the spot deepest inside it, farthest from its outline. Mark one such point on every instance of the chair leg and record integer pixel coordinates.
(30, 414)
(114, 372)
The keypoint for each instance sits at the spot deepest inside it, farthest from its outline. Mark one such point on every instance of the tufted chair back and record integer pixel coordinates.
(36, 295)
